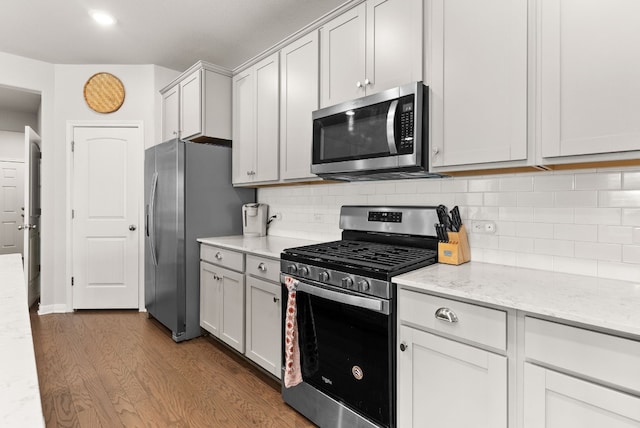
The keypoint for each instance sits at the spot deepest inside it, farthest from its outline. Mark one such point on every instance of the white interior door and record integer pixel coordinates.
(32, 211)
(11, 206)
(105, 181)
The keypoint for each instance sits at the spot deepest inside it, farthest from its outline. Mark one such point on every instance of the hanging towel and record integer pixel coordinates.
(292, 372)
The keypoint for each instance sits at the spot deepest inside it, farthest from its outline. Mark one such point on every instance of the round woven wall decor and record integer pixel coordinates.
(104, 93)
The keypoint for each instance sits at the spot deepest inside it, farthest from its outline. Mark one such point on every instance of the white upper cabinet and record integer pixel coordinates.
(197, 106)
(375, 46)
(255, 123)
(589, 65)
(478, 82)
(298, 99)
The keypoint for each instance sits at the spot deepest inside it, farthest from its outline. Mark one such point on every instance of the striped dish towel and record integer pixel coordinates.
(292, 372)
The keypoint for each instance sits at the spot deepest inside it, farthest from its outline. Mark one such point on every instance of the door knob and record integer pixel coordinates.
(20, 227)
(132, 227)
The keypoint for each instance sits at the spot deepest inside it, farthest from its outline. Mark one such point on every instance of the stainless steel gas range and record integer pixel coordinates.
(346, 313)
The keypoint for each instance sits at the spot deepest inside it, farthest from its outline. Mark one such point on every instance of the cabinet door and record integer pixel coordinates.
(298, 99)
(209, 301)
(479, 81)
(449, 384)
(588, 80)
(171, 113)
(191, 105)
(263, 340)
(554, 400)
(267, 118)
(343, 57)
(231, 299)
(394, 43)
(243, 146)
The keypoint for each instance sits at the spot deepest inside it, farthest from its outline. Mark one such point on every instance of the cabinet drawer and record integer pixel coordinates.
(600, 356)
(264, 268)
(229, 259)
(478, 324)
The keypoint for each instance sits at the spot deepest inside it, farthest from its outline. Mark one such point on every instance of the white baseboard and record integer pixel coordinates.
(52, 309)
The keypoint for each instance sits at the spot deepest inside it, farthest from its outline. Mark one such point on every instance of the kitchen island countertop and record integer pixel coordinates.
(19, 392)
(268, 246)
(599, 302)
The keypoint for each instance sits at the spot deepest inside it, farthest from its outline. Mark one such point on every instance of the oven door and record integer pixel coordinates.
(346, 344)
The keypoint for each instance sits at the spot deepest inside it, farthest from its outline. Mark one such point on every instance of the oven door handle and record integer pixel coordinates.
(348, 299)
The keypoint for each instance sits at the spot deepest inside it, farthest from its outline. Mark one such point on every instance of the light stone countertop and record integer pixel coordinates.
(19, 389)
(267, 246)
(603, 303)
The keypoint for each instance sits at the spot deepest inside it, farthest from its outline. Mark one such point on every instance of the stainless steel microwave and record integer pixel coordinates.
(380, 136)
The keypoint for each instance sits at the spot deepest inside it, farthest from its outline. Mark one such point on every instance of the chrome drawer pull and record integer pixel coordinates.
(219, 255)
(262, 267)
(446, 314)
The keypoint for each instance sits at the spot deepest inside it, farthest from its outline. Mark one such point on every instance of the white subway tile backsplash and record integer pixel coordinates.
(516, 214)
(553, 247)
(578, 198)
(534, 230)
(615, 234)
(501, 199)
(576, 232)
(602, 181)
(575, 266)
(598, 251)
(535, 199)
(598, 216)
(585, 222)
(516, 184)
(621, 271)
(619, 198)
(553, 215)
(631, 217)
(631, 254)
(548, 183)
(631, 180)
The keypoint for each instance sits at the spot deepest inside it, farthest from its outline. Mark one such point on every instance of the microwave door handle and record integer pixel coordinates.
(391, 119)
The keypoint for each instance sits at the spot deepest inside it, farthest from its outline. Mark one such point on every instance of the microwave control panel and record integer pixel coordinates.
(404, 131)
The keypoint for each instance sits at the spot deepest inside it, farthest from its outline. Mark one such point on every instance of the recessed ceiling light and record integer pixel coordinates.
(102, 18)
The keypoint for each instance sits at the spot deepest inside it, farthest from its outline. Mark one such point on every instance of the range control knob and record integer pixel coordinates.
(324, 276)
(363, 284)
(304, 271)
(347, 282)
(292, 269)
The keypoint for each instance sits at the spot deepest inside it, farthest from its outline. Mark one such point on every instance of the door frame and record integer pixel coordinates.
(71, 125)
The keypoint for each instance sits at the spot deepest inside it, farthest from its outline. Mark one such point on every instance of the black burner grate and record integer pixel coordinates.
(384, 257)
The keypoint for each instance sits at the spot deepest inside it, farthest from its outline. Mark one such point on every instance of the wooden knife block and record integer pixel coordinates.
(456, 251)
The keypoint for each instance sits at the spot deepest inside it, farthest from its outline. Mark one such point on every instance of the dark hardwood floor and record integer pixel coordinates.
(118, 368)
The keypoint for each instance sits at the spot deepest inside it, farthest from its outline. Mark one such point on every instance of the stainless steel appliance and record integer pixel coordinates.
(346, 313)
(188, 195)
(254, 219)
(380, 136)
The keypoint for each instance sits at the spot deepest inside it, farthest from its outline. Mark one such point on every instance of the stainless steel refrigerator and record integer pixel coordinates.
(188, 195)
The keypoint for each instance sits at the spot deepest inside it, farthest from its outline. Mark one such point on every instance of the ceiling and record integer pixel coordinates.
(170, 33)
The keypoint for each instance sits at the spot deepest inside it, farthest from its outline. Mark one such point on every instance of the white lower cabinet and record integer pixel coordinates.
(222, 294)
(553, 399)
(263, 335)
(442, 382)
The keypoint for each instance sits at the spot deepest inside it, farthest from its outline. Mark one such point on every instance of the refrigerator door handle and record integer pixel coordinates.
(151, 232)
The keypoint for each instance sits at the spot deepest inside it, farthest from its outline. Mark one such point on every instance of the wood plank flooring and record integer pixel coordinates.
(120, 369)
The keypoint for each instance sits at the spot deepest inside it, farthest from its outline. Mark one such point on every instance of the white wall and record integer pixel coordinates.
(37, 76)
(12, 145)
(584, 222)
(16, 121)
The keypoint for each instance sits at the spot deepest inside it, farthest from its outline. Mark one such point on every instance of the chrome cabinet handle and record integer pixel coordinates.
(275, 299)
(403, 346)
(262, 267)
(436, 151)
(20, 227)
(446, 314)
(358, 84)
(132, 227)
(217, 277)
(219, 255)
(367, 82)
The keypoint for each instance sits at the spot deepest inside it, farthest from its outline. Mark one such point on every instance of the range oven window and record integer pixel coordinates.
(346, 353)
